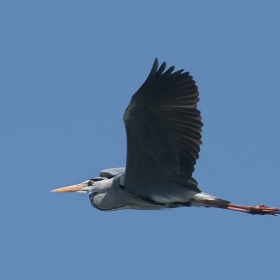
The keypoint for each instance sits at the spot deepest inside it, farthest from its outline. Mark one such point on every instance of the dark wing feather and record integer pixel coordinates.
(163, 125)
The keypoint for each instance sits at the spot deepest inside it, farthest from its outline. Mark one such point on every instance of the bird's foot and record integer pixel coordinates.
(264, 210)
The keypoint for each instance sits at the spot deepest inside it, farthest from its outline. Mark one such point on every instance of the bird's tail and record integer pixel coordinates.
(207, 200)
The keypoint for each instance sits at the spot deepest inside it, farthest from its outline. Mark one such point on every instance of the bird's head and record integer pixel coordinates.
(95, 185)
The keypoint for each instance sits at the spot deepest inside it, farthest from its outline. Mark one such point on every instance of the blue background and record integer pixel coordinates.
(68, 70)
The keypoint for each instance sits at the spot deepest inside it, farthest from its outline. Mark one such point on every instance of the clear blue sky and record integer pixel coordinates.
(68, 70)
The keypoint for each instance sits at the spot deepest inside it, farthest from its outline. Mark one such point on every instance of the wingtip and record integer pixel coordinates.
(156, 61)
(155, 66)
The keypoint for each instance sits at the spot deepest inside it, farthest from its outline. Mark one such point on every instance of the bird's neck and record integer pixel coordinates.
(102, 186)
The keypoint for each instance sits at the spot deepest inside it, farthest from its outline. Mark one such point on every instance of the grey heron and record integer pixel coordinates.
(163, 128)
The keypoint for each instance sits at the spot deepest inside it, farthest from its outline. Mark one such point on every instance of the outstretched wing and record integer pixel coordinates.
(163, 126)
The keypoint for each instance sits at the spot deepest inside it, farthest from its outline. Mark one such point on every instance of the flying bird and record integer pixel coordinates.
(163, 129)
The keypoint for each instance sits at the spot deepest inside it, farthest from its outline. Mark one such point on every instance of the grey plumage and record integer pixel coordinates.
(163, 128)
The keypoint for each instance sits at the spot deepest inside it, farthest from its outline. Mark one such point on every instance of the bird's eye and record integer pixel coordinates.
(90, 183)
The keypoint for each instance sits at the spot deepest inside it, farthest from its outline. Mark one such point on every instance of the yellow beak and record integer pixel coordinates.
(73, 188)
